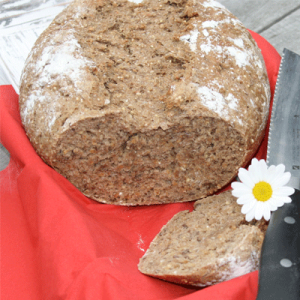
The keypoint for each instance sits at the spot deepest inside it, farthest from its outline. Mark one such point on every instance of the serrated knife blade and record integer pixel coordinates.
(279, 273)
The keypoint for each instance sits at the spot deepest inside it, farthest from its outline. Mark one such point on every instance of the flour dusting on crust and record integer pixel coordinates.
(191, 39)
(60, 64)
(237, 268)
(204, 40)
(214, 4)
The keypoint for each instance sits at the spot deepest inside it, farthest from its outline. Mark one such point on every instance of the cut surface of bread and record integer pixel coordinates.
(209, 245)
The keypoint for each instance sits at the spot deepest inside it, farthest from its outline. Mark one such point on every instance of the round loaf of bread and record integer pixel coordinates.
(146, 102)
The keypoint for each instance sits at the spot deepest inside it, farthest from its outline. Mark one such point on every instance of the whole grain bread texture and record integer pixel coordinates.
(209, 245)
(145, 103)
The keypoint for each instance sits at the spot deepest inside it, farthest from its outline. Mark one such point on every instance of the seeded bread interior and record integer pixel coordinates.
(209, 245)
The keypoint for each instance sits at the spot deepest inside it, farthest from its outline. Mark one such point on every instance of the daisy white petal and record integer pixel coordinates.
(267, 214)
(285, 178)
(245, 178)
(284, 191)
(286, 199)
(278, 201)
(245, 199)
(239, 189)
(279, 170)
(238, 185)
(282, 180)
(271, 173)
(254, 177)
(250, 215)
(272, 204)
(239, 193)
(254, 164)
(254, 168)
(274, 173)
(260, 169)
(283, 199)
(248, 206)
(259, 210)
(263, 169)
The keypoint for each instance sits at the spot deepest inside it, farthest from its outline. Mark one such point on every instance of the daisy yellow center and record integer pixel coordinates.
(262, 191)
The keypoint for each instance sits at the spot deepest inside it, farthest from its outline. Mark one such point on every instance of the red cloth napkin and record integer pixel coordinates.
(58, 244)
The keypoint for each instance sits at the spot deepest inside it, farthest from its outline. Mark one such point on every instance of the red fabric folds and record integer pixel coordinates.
(58, 244)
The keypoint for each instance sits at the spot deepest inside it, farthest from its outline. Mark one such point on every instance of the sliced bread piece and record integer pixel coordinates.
(212, 244)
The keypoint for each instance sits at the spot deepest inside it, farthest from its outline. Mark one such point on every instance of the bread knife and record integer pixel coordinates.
(279, 271)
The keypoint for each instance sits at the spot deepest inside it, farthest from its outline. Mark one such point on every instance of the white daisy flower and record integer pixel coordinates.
(262, 189)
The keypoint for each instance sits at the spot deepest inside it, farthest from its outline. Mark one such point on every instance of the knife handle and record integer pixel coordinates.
(279, 274)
